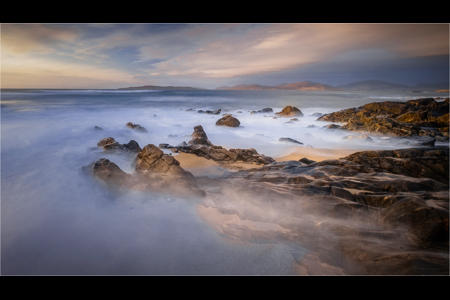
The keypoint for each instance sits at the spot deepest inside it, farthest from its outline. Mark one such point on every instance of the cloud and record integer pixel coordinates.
(279, 47)
(120, 52)
(41, 38)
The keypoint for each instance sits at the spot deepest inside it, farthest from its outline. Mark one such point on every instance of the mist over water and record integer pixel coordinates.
(55, 220)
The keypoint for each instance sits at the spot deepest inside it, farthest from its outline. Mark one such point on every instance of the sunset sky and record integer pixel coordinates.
(211, 55)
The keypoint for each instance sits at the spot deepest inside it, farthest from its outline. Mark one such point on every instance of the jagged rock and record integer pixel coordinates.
(112, 175)
(289, 140)
(110, 144)
(400, 195)
(290, 111)
(228, 120)
(199, 137)
(136, 127)
(410, 118)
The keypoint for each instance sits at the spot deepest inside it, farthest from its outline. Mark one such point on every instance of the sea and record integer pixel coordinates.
(55, 220)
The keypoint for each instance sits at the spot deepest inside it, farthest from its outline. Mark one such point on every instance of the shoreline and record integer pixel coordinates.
(191, 161)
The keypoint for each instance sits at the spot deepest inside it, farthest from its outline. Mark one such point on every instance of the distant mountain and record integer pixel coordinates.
(155, 87)
(297, 86)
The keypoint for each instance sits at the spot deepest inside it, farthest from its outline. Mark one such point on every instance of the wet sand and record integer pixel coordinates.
(317, 154)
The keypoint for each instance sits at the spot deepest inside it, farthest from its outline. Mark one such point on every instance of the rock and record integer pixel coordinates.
(410, 118)
(136, 127)
(201, 146)
(264, 110)
(290, 111)
(111, 145)
(364, 137)
(112, 175)
(98, 128)
(293, 119)
(289, 140)
(211, 112)
(199, 137)
(228, 120)
(306, 160)
(332, 126)
(316, 114)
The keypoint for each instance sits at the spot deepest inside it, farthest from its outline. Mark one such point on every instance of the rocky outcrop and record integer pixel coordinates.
(136, 127)
(422, 117)
(370, 213)
(111, 145)
(229, 121)
(290, 111)
(201, 146)
(154, 171)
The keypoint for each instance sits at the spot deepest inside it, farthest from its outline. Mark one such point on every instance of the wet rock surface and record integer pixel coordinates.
(421, 117)
(354, 215)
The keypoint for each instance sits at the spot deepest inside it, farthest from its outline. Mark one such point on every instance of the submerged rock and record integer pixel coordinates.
(264, 110)
(136, 127)
(228, 120)
(289, 140)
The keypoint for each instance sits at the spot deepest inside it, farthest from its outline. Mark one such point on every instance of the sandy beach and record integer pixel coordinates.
(191, 161)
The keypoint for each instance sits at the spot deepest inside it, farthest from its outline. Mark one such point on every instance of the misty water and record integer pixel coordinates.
(57, 221)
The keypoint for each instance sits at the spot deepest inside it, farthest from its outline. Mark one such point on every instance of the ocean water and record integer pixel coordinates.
(56, 221)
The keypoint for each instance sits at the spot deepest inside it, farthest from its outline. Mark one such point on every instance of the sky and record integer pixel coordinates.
(103, 56)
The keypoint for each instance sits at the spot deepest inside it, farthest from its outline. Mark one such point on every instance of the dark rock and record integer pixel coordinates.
(228, 120)
(264, 110)
(289, 140)
(111, 145)
(199, 137)
(290, 111)
(136, 127)
(306, 160)
(98, 128)
(211, 112)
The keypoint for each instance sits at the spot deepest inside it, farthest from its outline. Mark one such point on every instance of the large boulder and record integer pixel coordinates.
(290, 111)
(228, 120)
